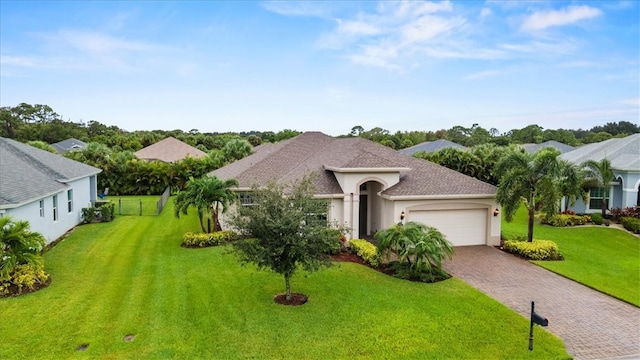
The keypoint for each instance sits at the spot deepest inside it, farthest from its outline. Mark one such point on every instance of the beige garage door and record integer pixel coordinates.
(461, 227)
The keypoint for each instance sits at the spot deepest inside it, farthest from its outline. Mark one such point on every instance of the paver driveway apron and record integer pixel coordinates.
(591, 324)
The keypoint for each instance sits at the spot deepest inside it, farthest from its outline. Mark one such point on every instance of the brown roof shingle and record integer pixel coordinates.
(169, 150)
(313, 151)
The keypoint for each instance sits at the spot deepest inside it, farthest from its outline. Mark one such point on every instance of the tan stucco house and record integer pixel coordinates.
(369, 187)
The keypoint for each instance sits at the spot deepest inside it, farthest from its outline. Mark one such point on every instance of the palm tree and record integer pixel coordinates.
(571, 183)
(598, 174)
(236, 149)
(19, 245)
(528, 178)
(421, 246)
(206, 194)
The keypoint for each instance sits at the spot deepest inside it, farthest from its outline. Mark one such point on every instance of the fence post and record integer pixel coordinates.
(140, 207)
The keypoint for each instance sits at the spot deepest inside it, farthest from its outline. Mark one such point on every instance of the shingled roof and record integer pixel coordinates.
(315, 152)
(432, 146)
(624, 153)
(28, 173)
(563, 148)
(169, 150)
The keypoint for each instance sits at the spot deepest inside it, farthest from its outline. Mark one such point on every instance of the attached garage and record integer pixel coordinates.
(461, 227)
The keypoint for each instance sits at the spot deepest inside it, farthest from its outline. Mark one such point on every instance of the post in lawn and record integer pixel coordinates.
(535, 319)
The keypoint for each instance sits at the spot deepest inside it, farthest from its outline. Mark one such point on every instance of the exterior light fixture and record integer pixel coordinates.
(402, 216)
(496, 212)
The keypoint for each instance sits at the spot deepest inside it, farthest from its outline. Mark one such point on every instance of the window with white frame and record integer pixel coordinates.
(246, 199)
(70, 200)
(55, 207)
(41, 208)
(596, 197)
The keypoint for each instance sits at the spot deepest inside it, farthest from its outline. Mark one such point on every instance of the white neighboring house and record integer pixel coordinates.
(45, 189)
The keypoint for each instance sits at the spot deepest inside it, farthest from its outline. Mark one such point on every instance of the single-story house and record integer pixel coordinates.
(67, 145)
(624, 154)
(369, 187)
(45, 189)
(431, 146)
(563, 148)
(169, 150)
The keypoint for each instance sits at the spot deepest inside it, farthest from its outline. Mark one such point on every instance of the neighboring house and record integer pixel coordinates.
(431, 146)
(369, 187)
(169, 150)
(45, 189)
(69, 145)
(624, 154)
(563, 148)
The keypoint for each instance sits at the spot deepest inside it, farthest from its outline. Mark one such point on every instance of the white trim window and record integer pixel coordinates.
(596, 197)
(70, 200)
(246, 199)
(55, 207)
(41, 208)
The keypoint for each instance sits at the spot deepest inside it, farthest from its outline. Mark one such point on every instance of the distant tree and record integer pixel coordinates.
(356, 130)
(254, 140)
(10, 124)
(598, 174)
(596, 137)
(286, 229)
(207, 194)
(236, 149)
(42, 146)
(388, 143)
(527, 178)
(531, 134)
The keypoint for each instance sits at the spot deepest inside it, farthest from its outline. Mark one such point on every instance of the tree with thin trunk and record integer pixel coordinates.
(287, 230)
(571, 183)
(598, 175)
(526, 179)
(207, 195)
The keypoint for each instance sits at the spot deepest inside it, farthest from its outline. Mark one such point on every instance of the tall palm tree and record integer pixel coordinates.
(18, 246)
(598, 174)
(571, 183)
(207, 194)
(527, 178)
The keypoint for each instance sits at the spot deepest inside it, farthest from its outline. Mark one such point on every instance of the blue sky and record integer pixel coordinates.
(326, 66)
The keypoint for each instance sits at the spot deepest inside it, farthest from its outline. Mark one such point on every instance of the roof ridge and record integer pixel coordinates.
(36, 162)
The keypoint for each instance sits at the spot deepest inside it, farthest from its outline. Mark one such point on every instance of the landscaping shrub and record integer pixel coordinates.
(597, 218)
(366, 250)
(336, 242)
(631, 224)
(23, 277)
(404, 270)
(633, 212)
(563, 220)
(192, 239)
(536, 250)
(104, 211)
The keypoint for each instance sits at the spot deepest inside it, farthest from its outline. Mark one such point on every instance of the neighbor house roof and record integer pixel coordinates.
(68, 145)
(28, 173)
(169, 150)
(431, 146)
(315, 152)
(624, 153)
(563, 148)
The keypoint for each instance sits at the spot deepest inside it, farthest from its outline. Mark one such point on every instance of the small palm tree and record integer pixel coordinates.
(421, 246)
(206, 194)
(598, 174)
(19, 246)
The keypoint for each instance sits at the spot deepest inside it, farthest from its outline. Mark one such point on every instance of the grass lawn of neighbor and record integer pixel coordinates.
(604, 258)
(127, 289)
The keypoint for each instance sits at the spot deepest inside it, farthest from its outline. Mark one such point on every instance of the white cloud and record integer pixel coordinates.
(544, 19)
(96, 43)
(632, 102)
(357, 28)
(297, 8)
(483, 74)
(485, 12)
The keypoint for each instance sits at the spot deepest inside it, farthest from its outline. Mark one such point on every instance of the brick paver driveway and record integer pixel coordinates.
(591, 324)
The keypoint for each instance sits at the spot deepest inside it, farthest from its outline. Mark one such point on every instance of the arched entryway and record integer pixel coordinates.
(370, 208)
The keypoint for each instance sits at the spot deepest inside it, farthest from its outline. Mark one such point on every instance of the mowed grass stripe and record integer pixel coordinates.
(200, 303)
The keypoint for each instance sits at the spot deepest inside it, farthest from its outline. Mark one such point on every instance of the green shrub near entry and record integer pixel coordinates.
(597, 218)
(562, 220)
(631, 224)
(366, 250)
(193, 239)
(536, 250)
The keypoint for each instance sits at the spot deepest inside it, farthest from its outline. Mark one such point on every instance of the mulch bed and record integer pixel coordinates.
(14, 291)
(296, 299)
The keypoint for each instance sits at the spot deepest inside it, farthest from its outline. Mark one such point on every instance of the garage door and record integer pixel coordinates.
(461, 227)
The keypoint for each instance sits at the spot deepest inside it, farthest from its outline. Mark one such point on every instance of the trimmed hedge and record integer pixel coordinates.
(192, 239)
(631, 224)
(566, 220)
(597, 218)
(536, 250)
(366, 250)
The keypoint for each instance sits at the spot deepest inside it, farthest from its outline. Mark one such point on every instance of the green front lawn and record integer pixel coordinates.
(604, 258)
(131, 277)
